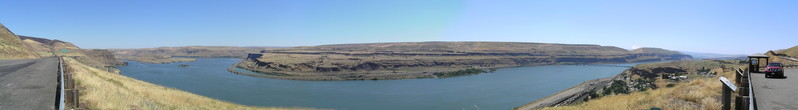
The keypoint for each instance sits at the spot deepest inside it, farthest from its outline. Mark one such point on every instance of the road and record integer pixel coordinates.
(776, 93)
(28, 84)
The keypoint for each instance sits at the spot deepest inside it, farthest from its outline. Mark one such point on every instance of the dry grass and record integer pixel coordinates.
(11, 47)
(792, 51)
(698, 94)
(103, 90)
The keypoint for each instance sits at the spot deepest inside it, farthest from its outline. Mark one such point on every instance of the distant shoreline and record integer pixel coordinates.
(392, 76)
(418, 75)
(158, 60)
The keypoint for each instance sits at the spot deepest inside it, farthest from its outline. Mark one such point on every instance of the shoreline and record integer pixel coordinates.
(575, 94)
(387, 76)
(395, 76)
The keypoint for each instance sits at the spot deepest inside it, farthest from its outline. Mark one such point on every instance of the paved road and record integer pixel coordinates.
(776, 93)
(28, 84)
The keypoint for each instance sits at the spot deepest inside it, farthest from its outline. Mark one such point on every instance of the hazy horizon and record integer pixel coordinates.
(695, 26)
(391, 42)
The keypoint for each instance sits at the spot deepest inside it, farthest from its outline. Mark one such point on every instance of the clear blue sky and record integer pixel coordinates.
(690, 25)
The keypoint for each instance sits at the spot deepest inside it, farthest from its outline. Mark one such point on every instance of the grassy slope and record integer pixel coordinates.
(791, 51)
(11, 47)
(699, 93)
(103, 90)
(41, 49)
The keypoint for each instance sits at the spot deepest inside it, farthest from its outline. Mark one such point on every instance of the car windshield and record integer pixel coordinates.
(774, 64)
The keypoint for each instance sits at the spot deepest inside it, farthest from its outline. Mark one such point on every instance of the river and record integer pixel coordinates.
(501, 90)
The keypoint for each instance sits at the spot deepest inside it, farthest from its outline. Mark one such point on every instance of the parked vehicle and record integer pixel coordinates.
(774, 69)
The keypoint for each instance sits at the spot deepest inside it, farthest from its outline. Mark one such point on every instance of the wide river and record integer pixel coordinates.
(500, 90)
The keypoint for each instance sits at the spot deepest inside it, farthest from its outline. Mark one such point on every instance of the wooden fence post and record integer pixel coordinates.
(76, 95)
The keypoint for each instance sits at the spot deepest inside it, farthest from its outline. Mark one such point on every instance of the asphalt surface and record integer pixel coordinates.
(28, 84)
(776, 93)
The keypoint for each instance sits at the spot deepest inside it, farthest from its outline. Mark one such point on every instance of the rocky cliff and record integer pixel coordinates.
(11, 47)
(422, 59)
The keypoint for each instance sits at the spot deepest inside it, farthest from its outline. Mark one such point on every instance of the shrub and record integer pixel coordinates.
(670, 85)
(470, 71)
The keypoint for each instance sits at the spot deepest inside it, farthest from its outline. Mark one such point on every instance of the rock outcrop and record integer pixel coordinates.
(420, 59)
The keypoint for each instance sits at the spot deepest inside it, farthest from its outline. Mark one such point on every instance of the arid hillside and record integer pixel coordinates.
(103, 59)
(101, 90)
(191, 51)
(11, 47)
(102, 87)
(432, 59)
(676, 85)
(793, 51)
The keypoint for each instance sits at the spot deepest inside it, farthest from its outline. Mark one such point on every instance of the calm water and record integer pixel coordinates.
(501, 90)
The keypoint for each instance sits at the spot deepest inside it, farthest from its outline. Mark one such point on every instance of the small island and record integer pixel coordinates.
(183, 65)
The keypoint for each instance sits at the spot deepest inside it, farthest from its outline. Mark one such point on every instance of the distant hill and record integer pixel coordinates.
(11, 47)
(793, 51)
(48, 48)
(700, 55)
(421, 59)
(25, 47)
(191, 51)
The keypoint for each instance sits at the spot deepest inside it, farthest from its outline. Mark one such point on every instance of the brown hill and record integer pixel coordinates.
(92, 57)
(424, 59)
(793, 51)
(190, 51)
(11, 47)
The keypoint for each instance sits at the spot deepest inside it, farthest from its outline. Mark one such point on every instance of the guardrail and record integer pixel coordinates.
(751, 96)
(67, 95)
(60, 96)
(745, 99)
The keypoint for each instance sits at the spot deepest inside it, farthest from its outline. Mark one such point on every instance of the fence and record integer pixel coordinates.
(68, 93)
(745, 94)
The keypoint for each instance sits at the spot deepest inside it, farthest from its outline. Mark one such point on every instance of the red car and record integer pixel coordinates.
(774, 69)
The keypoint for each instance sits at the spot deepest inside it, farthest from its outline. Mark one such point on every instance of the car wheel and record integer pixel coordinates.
(767, 75)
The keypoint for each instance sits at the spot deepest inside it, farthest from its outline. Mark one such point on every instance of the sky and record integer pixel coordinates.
(709, 26)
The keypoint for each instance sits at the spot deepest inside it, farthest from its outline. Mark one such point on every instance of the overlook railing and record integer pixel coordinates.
(745, 94)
